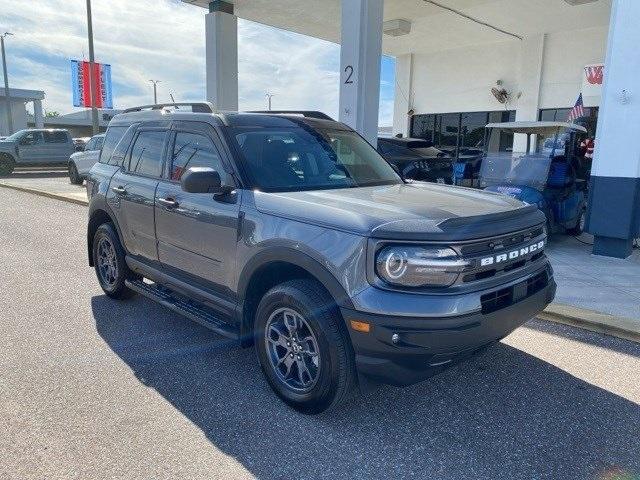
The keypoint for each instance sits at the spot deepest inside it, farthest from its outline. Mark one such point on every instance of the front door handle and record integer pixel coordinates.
(119, 190)
(168, 202)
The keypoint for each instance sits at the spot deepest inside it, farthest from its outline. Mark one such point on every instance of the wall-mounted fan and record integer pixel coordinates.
(500, 93)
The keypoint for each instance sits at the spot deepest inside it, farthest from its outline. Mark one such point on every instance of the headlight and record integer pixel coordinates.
(415, 266)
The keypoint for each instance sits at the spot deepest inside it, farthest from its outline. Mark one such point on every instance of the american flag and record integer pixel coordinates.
(577, 111)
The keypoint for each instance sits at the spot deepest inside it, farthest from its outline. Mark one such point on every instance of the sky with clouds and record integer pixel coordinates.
(164, 39)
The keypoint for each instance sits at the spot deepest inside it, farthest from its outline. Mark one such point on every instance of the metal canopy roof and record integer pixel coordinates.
(433, 29)
(536, 127)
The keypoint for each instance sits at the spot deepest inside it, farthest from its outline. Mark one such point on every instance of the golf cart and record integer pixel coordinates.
(545, 168)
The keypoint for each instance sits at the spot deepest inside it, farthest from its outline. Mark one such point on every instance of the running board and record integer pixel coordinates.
(189, 309)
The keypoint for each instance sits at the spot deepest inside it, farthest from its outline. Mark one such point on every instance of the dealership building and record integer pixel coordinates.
(461, 64)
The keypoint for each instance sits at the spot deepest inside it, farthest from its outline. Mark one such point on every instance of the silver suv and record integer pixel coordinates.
(35, 147)
(291, 233)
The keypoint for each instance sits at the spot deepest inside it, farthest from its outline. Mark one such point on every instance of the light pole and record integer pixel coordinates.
(7, 96)
(155, 90)
(269, 95)
(92, 89)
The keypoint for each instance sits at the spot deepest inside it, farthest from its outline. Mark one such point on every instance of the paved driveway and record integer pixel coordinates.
(93, 388)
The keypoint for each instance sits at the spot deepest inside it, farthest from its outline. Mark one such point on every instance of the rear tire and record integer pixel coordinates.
(303, 347)
(74, 176)
(7, 164)
(110, 265)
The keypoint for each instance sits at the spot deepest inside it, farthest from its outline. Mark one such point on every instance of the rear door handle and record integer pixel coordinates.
(168, 202)
(119, 190)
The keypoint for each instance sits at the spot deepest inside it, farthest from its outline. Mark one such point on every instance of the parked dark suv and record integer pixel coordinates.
(291, 233)
(417, 159)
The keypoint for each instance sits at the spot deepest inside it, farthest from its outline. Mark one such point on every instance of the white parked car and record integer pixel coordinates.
(81, 162)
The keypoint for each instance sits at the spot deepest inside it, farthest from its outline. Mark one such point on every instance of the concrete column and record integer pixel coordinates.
(221, 31)
(360, 56)
(529, 79)
(403, 101)
(614, 204)
(38, 115)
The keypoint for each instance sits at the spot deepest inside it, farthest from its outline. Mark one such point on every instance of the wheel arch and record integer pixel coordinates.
(272, 267)
(97, 217)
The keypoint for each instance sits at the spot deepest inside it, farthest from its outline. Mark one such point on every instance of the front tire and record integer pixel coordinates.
(7, 164)
(109, 262)
(74, 176)
(303, 347)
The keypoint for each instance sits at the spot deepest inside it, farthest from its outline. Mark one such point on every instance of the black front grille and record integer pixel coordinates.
(488, 245)
(492, 247)
(505, 297)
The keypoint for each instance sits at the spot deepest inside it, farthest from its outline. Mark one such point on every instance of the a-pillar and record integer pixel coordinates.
(221, 32)
(614, 205)
(360, 55)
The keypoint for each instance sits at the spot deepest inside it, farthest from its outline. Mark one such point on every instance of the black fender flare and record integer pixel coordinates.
(299, 259)
(100, 206)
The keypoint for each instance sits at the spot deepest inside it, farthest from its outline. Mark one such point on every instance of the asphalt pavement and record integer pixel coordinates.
(92, 388)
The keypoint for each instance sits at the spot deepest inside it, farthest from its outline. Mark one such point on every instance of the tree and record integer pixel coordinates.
(52, 114)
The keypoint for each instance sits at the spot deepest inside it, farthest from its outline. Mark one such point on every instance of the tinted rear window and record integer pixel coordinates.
(111, 139)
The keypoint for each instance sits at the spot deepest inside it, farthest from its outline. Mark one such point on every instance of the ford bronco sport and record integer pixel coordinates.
(290, 232)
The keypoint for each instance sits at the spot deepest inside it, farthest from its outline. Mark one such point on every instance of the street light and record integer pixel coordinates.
(6, 82)
(269, 95)
(155, 90)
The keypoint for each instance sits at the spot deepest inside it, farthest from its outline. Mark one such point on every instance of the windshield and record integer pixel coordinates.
(281, 159)
(15, 137)
(527, 165)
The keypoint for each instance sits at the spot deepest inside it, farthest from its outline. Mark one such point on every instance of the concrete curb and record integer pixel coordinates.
(42, 193)
(620, 327)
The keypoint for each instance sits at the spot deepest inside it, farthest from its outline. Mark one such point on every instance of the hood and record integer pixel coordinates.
(413, 211)
(7, 146)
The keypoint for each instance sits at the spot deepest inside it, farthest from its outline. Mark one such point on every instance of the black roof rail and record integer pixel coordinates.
(197, 107)
(304, 113)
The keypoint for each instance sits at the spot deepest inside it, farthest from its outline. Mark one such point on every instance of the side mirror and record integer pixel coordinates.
(203, 180)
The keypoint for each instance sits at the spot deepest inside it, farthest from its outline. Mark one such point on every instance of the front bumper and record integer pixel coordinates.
(427, 345)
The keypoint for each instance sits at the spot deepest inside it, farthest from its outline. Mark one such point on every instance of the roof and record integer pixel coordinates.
(22, 94)
(283, 119)
(433, 28)
(536, 127)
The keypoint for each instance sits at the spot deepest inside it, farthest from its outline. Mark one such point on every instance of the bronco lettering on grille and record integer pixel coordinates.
(512, 255)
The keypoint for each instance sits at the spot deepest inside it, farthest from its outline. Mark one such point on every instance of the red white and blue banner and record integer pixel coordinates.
(101, 81)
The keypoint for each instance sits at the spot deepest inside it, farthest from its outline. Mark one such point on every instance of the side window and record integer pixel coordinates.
(113, 136)
(90, 145)
(146, 154)
(31, 138)
(194, 150)
(98, 143)
(55, 137)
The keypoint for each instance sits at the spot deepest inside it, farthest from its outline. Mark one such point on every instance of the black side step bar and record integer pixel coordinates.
(189, 309)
